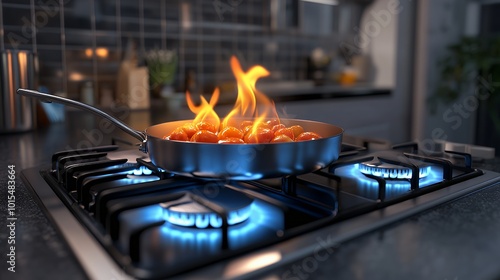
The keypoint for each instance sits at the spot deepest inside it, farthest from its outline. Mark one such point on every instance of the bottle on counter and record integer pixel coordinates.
(349, 76)
(87, 93)
(106, 97)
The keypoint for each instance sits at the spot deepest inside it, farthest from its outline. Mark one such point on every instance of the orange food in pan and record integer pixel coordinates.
(260, 135)
(247, 132)
(306, 136)
(282, 138)
(178, 134)
(205, 136)
(285, 131)
(230, 132)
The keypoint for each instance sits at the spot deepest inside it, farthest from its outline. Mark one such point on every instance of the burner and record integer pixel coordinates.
(187, 212)
(142, 170)
(390, 171)
(381, 169)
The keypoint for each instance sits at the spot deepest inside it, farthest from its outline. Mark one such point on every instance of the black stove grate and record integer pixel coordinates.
(118, 196)
(107, 190)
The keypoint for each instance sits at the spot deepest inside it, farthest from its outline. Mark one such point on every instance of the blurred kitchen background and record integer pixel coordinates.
(379, 68)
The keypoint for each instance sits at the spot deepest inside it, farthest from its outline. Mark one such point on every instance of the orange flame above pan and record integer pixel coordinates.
(205, 111)
(250, 103)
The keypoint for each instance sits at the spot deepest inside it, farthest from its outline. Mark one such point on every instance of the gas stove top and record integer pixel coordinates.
(125, 218)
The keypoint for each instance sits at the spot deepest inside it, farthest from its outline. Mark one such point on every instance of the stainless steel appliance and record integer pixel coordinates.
(124, 217)
(18, 68)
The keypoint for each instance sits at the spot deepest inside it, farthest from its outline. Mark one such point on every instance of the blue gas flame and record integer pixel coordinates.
(141, 170)
(434, 175)
(392, 173)
(204, 220)
(263, 220)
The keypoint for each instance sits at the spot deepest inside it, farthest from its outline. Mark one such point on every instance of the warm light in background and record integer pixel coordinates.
(99, 52)
(102, 52)
(88, 52)
(75, 76)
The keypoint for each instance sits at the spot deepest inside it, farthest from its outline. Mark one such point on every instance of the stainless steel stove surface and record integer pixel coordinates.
(125, 218)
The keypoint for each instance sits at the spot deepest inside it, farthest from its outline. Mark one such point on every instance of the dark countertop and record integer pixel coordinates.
(457, 240)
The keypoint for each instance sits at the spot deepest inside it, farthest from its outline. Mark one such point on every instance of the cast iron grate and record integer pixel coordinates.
(119, 201)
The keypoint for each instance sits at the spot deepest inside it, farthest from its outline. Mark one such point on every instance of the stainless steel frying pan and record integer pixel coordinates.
(234, 161)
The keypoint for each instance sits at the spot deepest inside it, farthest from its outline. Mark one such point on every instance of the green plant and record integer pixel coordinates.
(162, 66)
(468, 59)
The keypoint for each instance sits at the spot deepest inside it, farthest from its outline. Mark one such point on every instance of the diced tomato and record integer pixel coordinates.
(190, 129)
(249, 132)
(278, 126)
(231, 140)
(305, 136)
(261, 135)
(297, 130)
(206, 126)
(204, 136)
(230, 132)
(286, 131)
(263, 125)
(245, 124)
(247, 129)
(178, 134)
(273, 122)
(282, 138)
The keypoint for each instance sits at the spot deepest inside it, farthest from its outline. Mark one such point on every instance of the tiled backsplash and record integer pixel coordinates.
(66, 34)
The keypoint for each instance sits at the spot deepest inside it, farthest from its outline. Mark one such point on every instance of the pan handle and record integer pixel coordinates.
(79, 105)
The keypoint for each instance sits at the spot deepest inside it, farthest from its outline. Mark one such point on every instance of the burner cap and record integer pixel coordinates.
(381, 169)
(187, 212)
